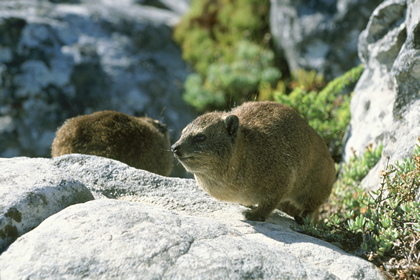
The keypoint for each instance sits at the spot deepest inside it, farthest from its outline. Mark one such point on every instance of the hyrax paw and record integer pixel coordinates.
(253, 215)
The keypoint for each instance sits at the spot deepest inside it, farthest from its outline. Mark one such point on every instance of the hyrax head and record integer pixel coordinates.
(206, 142)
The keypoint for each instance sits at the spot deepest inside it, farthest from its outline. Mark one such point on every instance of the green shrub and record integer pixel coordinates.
(381, 226)
(212, 28)
(227, 42)
(234, 82)
(308, 80)
(327, 111)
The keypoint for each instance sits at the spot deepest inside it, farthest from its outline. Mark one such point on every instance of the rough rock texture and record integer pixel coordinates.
(169, 229)
(135, 239)
(319, 34)
(59, 59)
(32, 190)
(386, 103)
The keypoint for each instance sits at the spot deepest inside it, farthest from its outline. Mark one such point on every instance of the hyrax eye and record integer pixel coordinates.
(200, 138)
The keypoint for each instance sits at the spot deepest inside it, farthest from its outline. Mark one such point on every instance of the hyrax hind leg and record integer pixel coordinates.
(298, 213)
(261, 212)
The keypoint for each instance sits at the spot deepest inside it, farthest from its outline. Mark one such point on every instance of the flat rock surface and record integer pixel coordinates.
(116, 239)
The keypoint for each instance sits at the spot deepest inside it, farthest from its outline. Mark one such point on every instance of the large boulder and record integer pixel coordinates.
(385, 107)
(31, 190)
(167, 228)
(321, 34)
(59, 59)
(111, 239)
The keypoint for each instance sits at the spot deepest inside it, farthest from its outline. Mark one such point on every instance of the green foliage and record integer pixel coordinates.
(382, 225)
(233, 82)
(327, 111)
(212, 28)
(358, 167)
(227, 42)
(308, 80)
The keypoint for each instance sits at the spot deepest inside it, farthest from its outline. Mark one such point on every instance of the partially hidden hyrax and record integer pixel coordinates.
(140, 142)
(262, 155)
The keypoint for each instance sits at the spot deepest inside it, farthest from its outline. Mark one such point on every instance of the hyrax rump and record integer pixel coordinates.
(260, 153)
(140, 142)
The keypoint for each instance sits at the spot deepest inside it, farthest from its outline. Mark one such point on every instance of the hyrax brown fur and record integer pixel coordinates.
(260, 153)
(140, 142)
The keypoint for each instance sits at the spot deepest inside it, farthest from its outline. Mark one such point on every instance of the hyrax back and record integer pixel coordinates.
(260, 153)
(140, 142)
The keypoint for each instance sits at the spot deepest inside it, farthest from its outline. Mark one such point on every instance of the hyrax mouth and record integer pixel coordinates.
(179, 154)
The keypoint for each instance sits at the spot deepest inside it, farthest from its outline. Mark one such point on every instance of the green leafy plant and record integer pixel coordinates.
(382, 225)
(327, 111)
(212, 28)
(233, 82)
(307, 80)
(227, 42)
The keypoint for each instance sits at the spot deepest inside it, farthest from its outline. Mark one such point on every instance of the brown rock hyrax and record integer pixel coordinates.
(260, 154)
(140, 142)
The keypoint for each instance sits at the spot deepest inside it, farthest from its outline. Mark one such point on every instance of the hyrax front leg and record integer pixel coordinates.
(261, 212)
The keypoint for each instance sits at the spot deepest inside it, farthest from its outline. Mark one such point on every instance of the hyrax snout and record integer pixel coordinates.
(260, 154)
(140, 142)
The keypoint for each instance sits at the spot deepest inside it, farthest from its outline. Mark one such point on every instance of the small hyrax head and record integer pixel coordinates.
(206, 142)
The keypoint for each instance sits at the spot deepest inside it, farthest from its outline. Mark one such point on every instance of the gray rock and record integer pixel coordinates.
(386, 104)
(166, 228)
(108, 178)
(66, 59)
(321, 34)
(32, 190)
(121, 240)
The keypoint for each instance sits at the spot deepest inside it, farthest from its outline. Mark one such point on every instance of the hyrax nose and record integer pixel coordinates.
(175, 148)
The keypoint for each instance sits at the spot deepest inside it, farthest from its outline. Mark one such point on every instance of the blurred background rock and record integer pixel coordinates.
(60, 59)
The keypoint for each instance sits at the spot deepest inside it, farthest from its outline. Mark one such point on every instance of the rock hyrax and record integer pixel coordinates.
(260, 153)
(140, 142)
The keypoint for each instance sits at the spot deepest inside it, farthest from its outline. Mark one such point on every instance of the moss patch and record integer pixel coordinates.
(14, 214)
(9, 231)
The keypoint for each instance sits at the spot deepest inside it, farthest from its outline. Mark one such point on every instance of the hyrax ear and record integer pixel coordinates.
(232, 124)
